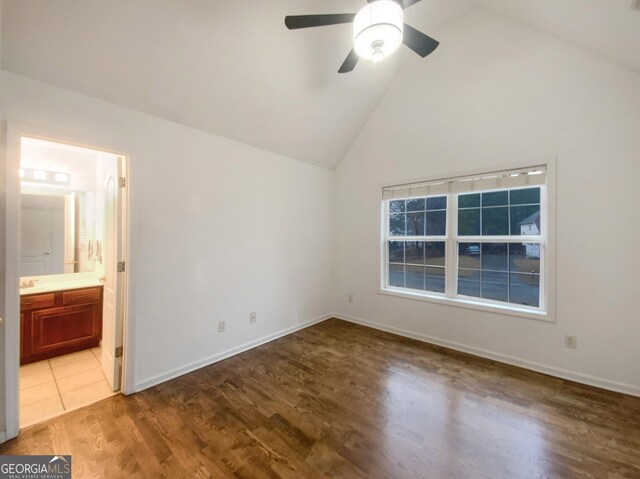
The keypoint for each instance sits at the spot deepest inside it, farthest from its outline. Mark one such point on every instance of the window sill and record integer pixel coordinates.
(470, 304)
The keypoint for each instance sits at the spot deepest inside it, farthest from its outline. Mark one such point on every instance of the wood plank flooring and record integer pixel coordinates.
(340, 400)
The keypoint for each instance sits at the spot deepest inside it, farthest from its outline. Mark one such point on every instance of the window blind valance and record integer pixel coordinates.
(531, 176)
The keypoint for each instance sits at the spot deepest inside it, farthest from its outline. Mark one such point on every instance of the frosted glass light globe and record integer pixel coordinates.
(378, 29)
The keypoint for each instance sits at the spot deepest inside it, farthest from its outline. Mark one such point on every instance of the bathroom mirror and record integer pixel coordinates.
(54, 233)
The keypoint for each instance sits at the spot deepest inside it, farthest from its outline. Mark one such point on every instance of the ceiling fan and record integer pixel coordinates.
(378, 31)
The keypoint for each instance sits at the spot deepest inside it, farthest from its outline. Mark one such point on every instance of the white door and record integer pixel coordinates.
(112, 314)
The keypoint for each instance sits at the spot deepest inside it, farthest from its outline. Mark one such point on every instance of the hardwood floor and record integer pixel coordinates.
(340, 400)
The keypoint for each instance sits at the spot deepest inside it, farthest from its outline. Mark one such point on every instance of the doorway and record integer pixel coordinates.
(70, 213)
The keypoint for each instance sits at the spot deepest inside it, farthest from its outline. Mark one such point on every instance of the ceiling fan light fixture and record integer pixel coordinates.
(378, 29)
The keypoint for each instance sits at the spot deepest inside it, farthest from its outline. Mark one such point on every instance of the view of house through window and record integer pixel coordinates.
(478, 242)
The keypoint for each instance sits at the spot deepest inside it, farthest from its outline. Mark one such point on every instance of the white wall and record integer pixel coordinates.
(218, 229)
(495, 94)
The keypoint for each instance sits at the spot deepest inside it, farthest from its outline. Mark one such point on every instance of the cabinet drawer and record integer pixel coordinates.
(81, 296)
(35, 301)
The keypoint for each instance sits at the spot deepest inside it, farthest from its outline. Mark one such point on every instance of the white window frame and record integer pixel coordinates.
(546, 309)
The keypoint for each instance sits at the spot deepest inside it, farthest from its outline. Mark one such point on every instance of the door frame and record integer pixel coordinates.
(14, 132)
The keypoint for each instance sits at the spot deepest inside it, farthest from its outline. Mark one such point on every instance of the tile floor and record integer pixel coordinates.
(52, 387)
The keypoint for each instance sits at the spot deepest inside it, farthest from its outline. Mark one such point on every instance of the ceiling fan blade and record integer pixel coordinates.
(350, 62)
(418, 41)
(294, 22)
(408, 3)
(404, 3)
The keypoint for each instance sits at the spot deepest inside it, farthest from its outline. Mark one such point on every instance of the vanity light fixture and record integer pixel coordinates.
(42, 176)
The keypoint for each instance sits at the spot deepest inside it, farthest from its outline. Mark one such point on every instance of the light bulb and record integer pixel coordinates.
(39, 175)
(378, 55)
(61, 177)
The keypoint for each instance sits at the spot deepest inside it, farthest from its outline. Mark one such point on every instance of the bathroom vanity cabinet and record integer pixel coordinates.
(59, 322)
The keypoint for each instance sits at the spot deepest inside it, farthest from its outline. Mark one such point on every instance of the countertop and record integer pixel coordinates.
(49, 286)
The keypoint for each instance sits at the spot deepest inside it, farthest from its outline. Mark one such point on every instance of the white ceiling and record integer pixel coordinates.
(231, 67)
(609, 28)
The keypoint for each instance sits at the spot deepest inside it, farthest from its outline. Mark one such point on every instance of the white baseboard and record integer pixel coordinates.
(187, 368)
(523, 363)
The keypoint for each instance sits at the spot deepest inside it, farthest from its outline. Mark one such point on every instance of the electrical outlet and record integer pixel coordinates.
(252, 318)
(571, 342)
(222, 326)
(351, 298)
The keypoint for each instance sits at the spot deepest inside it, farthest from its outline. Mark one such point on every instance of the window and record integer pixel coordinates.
(474, 240)
(416, 246)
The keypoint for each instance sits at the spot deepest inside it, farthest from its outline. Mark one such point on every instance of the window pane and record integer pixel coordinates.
(495, 286)
(397, 224)
(396, 275)
(396, 252)
(494, 256)
(436, 223)
(437, 203)
(469, 282)
(434, 279)
(469, 200)
(525, 289)
(434, 253)
(496, 198)
(414, 277)
(495, 221)
(414, 252)
(469, 256)
(525, 220)
(397, 206)
(416, 204)
(415, 224)
(486, 270)
(469, 222)
(524, 258)
(529, 196)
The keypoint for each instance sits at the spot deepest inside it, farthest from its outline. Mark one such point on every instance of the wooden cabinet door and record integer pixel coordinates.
(64, 330)
(59, 323)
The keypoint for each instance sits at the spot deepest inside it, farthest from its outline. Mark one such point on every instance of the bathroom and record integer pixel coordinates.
(70, 321)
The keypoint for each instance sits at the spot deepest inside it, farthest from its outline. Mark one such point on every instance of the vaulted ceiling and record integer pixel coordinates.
(231, 67)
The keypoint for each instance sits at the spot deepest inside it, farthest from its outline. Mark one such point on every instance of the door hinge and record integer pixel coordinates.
(121, 267)
(122, 182)
(119, 352)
